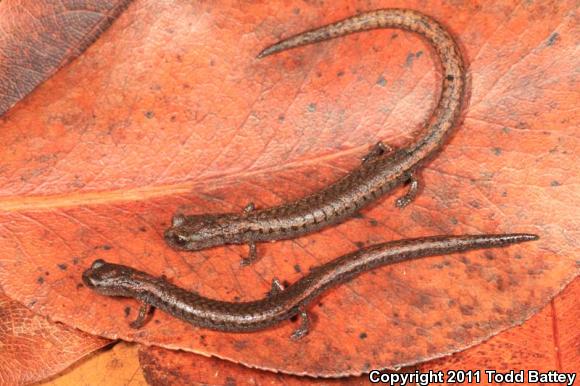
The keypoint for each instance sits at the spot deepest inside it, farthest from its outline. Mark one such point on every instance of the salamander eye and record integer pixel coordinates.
(177, 220)
(181, 240)
(98, 263)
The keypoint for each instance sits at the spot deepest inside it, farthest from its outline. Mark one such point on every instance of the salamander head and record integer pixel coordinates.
(193, 233)
(110, 279)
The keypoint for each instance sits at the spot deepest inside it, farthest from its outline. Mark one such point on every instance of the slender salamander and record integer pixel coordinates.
(281, 304)
(382, 170)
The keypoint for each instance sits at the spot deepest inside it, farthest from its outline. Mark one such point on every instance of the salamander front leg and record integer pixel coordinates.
(253, 253)
(378, 150)
(249, 208)
(406, 199)
(144, 311)
(304, 328)
(277, 287)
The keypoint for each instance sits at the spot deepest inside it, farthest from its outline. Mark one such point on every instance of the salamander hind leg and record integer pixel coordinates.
(408, 197)
(304, 328)
(144, 311)
(379, 149)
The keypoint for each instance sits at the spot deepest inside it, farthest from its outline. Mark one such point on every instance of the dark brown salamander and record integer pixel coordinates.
(382, 170)
(281, 304)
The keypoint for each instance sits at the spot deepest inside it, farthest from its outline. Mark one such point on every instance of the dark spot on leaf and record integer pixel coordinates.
(294, 318)
(499, 283)
(422, 300)
(450, 77)
(297, 268)
(230, 381)
(466, 310)
(489, 255)
(553, 39)
(394, 35)
(517, 256)
(62, 266)
(410, 59)
(359, 244)
(40, 280)
(240, 344)
(496, 150)
(475, 204)
(453, 220)
(382, 81)
(522, 126)
(373, 222)
(76, 260)
(142, 229)
(296, 11)
(149, 114)
(281, 118)
(533, 272)
(555, 183)
(127, 311)
(80, 285)
(506, 130)
(340, 73)
(311, 107)
(421, 332)
(498, 310)
(362, 335)
(504, 193)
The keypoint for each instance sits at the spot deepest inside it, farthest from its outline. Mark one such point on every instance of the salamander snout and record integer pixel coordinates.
(177, 238)
(192, 233)
(91, 277)
(104, 277)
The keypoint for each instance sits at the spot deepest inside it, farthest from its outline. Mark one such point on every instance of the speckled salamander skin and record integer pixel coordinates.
(118, 280)
(382, 170)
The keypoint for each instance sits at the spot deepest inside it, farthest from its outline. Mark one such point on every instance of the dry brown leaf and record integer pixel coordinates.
(33, 349)
(39, 37)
